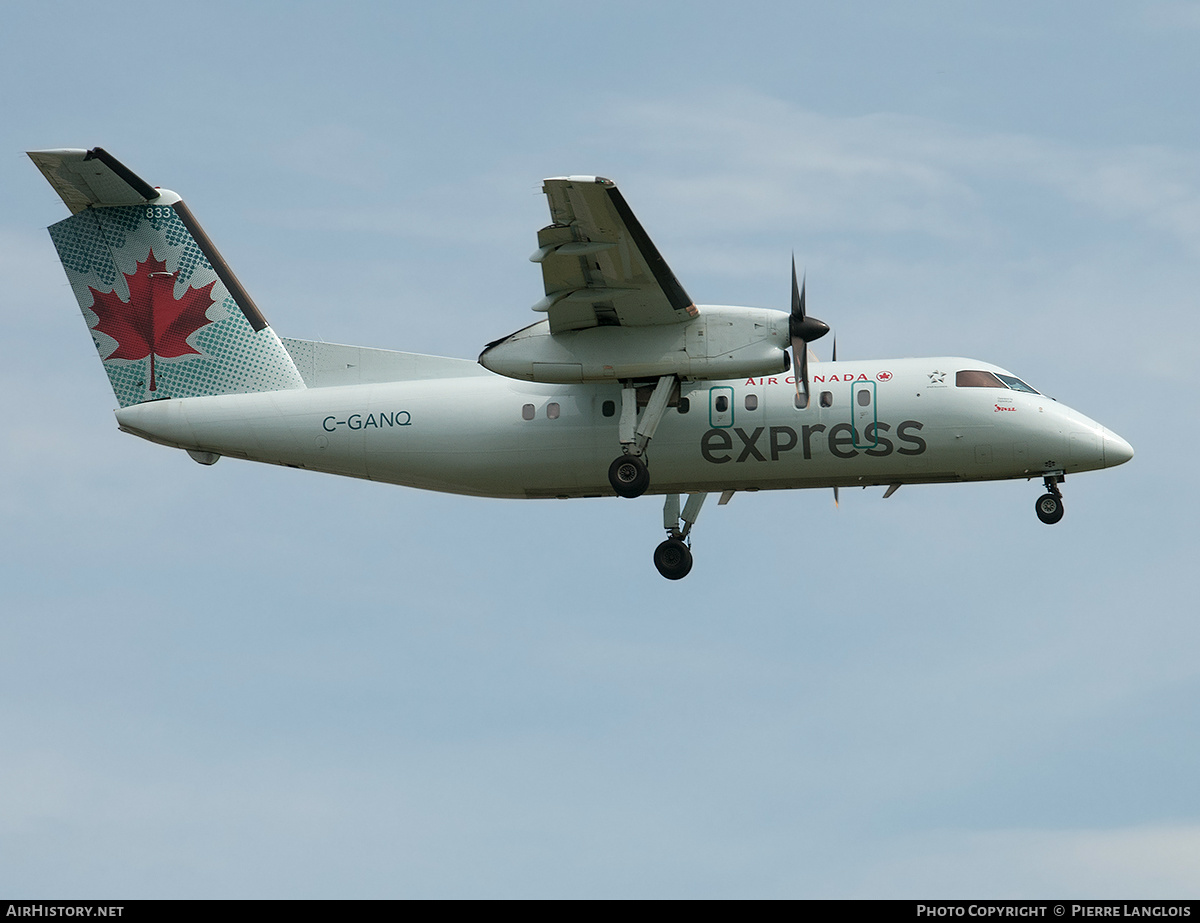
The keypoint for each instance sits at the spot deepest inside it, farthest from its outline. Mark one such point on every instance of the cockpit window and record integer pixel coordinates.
(975, 378)
(1015, 383)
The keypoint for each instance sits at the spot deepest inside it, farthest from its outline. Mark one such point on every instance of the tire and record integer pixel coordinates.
(1049, 508)
(629, 476)
(673, 559)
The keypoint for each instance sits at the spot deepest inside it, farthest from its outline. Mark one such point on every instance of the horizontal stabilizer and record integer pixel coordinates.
(87, 178)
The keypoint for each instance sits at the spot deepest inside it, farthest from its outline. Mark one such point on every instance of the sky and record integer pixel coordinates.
(248, 681)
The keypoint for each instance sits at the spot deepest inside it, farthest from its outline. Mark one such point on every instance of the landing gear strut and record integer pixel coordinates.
(628, 474)
(673, 558)
(1049, 506)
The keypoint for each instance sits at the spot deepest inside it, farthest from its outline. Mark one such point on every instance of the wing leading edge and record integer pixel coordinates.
(599, 266)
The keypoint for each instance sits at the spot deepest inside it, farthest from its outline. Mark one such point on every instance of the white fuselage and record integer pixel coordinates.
(890, 422)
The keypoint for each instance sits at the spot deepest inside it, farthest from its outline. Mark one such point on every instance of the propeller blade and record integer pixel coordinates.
(803, 330)
(800, 348)
(801, 326)
(835, 347)
(835, 499)
(797, 294)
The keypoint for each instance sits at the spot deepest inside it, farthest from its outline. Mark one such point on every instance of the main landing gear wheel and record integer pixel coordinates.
(1049, 508)
(673, 559)
(629, 476)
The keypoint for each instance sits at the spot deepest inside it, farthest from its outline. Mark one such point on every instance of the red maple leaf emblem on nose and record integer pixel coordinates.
(153, 322)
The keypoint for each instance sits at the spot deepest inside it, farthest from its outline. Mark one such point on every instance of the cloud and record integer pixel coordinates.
(759, 162)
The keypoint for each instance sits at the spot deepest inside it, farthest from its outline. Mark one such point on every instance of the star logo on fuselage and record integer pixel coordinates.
(936, 378)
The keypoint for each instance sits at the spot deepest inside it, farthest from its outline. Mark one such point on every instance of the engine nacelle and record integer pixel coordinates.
(722, 342)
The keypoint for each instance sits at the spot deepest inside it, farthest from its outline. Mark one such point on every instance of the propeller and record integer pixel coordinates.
(803, 330)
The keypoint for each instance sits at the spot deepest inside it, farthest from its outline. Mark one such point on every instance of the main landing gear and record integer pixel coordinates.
(673, 558)
(1049, 506)
(628, 474)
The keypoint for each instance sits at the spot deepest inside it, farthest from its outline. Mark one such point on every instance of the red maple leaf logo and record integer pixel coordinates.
(153, 322)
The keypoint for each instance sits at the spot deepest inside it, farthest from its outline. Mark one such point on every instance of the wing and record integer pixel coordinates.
(599, 266)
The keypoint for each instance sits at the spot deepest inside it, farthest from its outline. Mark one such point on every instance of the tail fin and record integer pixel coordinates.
(168, 316)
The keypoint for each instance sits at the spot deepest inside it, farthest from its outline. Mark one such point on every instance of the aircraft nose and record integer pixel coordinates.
(1116, 450)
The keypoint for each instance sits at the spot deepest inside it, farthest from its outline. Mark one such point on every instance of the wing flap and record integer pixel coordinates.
(599, 266)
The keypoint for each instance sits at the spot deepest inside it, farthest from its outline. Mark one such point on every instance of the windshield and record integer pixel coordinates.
(977, 378)
(1016, 384)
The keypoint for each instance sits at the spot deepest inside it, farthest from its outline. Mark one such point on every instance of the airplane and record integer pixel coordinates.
(625, 387)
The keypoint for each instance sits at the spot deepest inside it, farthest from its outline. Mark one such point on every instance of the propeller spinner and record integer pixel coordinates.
(803, 330)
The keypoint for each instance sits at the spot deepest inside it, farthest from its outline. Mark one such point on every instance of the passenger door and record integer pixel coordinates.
(864, 414)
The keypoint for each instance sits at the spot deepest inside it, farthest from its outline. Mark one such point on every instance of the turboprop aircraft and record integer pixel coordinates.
(625, 387)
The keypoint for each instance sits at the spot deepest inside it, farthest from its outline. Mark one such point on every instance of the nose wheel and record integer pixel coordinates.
(1049, 506)
(673, 559)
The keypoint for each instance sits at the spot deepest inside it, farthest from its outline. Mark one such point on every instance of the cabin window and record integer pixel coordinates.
(527, 412)
(801, 400)
(684, 405)
(608, 408)
(864, 398)
(721, 404)
(752, 402)
(826, 398)
(975, 378)
(552, 410)
(1015, 383)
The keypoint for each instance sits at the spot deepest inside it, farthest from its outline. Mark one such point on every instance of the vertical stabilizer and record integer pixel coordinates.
(167, 315)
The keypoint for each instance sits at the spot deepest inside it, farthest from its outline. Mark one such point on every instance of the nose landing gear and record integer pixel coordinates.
(673, 558)
(1049, 506)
